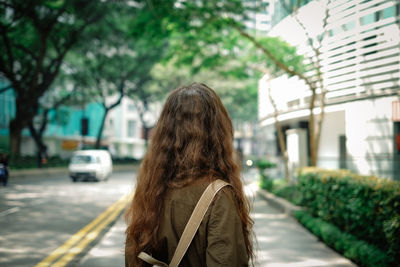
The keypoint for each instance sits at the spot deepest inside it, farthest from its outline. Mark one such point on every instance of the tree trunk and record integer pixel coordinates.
(26, 107)
(100, 132)
(282, 145)
(311, 127)
(281, 136)
(40, 145)
(318, 127)
(15, 137)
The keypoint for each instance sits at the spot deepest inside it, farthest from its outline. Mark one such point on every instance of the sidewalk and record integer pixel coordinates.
(281, 242)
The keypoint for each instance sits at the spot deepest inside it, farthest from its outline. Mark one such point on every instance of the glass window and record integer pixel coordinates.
(131, 128)
(389, 12)
(335, 31)
(367, 19)
(130, 150)
(349, 26)
(131, 107)
(82, 159)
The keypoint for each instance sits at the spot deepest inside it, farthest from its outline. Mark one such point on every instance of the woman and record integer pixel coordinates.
(191, 147)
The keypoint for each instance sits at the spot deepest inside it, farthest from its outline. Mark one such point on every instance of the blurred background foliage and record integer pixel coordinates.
(72, 52)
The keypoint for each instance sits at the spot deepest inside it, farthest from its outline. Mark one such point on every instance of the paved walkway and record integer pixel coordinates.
(281, 242)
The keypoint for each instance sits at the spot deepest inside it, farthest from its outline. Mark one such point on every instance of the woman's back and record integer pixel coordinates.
(191, 145)
(219, 240)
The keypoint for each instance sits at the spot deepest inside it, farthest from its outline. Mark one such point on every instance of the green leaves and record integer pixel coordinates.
(359, 251)
(54, 4)
(282, 51)
(364, 206)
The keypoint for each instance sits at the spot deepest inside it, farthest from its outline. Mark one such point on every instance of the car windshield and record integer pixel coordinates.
(78, 159)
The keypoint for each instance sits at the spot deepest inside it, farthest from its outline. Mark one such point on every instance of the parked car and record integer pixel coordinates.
(93, 165)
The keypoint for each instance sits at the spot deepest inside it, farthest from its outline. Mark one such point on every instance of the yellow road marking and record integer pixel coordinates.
(89, 237)
(113, 211)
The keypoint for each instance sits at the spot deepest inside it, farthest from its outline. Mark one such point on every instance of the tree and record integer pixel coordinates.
(113, 62)
(35, 38)
(287, 54)
(313, 79)
(201, 49)
(38, 127)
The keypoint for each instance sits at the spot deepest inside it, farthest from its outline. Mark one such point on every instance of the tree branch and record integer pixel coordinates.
(57, 61)
(8, 49)
(44, 121)
(270, 55)
(26, 51)
(121, 88)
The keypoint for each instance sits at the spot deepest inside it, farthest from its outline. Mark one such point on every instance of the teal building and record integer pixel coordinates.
(64, 129)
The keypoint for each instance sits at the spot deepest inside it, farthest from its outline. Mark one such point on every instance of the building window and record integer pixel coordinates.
(349, 26)
(131, 107)
(389, 12)
(367, 19)
(131, 128)
(335, 31)
(130, 150)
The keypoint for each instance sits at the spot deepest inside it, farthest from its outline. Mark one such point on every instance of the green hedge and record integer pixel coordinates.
(288, 192)
(265, 181)
(358, 251)
(364, 206)
(30, 162)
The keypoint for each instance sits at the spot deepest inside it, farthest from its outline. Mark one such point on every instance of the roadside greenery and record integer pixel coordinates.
(367, 207)
(359, 216)
(287, 191)
(30, 162)
(358, 251)
(266, 181)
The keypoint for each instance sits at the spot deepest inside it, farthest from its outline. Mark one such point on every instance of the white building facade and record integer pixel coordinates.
(361, 69)
(125, 131)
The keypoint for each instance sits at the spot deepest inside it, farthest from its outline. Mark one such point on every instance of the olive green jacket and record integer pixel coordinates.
(219, 240)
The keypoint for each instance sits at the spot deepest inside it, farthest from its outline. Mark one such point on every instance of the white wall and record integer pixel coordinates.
(121, 144)
(369, 132)
(333, 126)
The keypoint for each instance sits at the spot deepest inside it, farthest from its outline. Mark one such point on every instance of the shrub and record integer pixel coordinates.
(125, 160)
(265, 181)
(361, 252)
(364, 206)
(264, 164)
(29, 162)
(288, 192)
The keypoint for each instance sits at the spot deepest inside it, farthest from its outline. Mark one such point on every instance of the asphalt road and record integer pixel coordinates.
(39, 214)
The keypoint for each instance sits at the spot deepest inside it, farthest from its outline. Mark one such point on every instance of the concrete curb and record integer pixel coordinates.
(63, 170)
(279, 203)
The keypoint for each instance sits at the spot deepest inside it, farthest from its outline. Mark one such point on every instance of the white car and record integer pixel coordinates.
(93, 165)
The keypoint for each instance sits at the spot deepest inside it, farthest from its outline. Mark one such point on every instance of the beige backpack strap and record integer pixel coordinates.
(195, 220)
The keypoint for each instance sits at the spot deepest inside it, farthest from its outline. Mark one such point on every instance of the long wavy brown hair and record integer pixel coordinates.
(192, 139)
